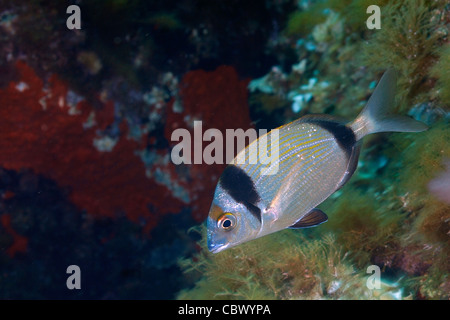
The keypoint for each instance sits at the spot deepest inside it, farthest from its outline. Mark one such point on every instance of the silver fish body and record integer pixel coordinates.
(317, 154)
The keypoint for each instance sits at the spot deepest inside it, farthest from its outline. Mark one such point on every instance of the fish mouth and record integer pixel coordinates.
(215, 244)
(216, 247)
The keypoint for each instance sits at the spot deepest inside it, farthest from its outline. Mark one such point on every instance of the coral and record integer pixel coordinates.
(271, 83)
(332, 30)
(305, 93)
(38, 133)
(219, 100)
(19, 243)
(117, 259)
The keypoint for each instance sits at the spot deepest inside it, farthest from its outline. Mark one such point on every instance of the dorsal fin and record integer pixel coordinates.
(311, 219)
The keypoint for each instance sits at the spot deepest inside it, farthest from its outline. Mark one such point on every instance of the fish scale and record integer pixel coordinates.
(315, 195)
(303, 151)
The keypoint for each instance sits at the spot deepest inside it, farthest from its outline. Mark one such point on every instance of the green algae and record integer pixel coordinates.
(354, 12)
(423, 161)
(441, 71)
(302, 22)
(407, 41)
(285, 265)
(362, 225)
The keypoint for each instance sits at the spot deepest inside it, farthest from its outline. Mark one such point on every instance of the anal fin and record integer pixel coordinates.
(311, 219)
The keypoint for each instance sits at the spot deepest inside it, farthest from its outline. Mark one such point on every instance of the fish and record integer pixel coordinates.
(317, 155)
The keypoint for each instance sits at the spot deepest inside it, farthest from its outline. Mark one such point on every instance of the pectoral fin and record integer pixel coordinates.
(311, 219)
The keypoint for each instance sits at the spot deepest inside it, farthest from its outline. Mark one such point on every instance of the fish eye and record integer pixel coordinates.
(227, 221)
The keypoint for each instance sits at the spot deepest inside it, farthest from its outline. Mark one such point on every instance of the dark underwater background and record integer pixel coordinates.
(86, 118)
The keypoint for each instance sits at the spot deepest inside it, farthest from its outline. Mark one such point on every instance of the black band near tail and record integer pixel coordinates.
(343, 134)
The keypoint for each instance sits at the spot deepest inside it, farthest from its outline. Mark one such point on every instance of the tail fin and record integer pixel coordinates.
(374, 118)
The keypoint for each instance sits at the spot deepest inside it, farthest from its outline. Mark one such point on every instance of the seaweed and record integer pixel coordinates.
(427, 224)
(407, 41)
(301, 22)
(422, 160)
(285, 265)
(362, 226)
(441, 71)
(355, 12)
